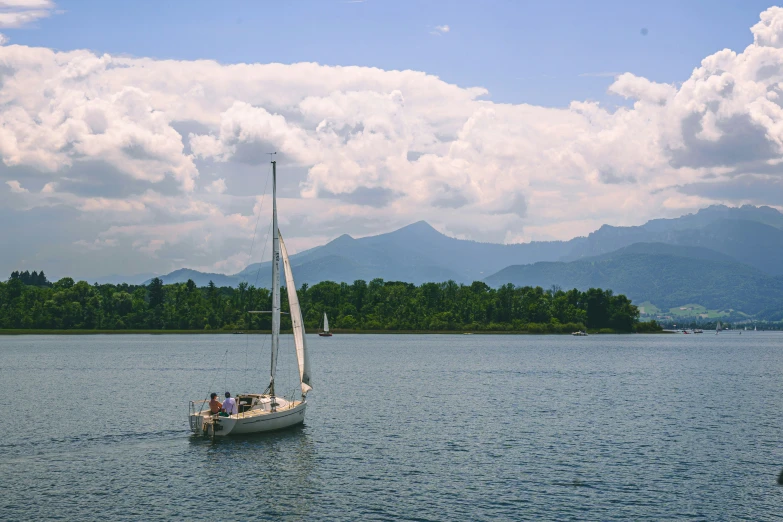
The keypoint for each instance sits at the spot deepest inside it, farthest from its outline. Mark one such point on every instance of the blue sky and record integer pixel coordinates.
(521, 51)
(130, 141)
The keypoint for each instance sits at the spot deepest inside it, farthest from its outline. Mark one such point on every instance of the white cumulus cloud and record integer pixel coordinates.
(18, 13)
(217, 187)
(366, 150)
(16, 187)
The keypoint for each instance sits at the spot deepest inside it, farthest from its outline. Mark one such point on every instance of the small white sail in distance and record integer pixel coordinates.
(300, 340)
(326, 323)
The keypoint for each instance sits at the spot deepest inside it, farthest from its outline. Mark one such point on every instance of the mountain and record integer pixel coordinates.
(751, 241)
(200, 278)
(116, 279)
(666, 275)
(418, 253)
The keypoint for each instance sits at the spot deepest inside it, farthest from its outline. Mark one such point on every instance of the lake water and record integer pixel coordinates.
(399, 427)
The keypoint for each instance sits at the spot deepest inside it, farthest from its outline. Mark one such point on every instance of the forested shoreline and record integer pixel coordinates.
(29, 301)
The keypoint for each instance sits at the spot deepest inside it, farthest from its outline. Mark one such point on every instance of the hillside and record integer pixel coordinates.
(418, 253)
(200, 278)
(665, 275)
(752, 242)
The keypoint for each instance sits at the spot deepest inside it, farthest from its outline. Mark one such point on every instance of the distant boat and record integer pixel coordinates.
(579, 333)
(717, 328)
(467, 333)
(698, 330)
(326, 332)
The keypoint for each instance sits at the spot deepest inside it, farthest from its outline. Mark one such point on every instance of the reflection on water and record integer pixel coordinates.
(401, 427)
(275, 464)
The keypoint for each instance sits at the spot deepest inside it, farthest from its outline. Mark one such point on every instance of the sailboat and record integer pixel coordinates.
(717, 328)
(266, 411)
(326, 332)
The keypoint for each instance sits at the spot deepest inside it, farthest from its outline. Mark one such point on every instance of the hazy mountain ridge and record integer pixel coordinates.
(666, 275)
(418, 253)
(752, 242)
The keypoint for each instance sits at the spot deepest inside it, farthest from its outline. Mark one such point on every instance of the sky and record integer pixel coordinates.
(133, 135)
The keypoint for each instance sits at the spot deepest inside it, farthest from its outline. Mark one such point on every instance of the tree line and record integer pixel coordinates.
(35, 279)
(377, 305)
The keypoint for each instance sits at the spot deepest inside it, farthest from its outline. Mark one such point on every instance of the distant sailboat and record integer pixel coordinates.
(717, 328)
(326, 332)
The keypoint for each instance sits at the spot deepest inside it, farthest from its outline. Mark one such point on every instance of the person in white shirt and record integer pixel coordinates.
(230, 405)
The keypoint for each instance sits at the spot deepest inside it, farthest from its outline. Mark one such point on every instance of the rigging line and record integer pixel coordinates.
(252, 246)
(225, 371)
(270, 225)
(214, 378)
(263, 252)
(258, 219)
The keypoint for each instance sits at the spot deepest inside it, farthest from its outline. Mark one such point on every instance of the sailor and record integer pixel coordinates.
(214, 404)
(230, 405)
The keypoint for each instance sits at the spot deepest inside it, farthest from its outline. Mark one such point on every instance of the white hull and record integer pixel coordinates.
(257, 420)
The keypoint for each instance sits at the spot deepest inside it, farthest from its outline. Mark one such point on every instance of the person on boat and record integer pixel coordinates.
(214, 404)
(229, 405)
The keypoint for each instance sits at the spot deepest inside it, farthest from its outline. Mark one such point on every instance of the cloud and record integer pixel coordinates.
(16, 187)
(440, 30)
(121, 143)
(3, 39)
(217, 187)
(97, 244)
(18, 13)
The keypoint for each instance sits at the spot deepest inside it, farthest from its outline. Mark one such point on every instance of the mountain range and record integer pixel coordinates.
(720, 257)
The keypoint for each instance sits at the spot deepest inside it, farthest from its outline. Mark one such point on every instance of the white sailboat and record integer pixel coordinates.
(266, 411)
(717, 328)
(325, 333)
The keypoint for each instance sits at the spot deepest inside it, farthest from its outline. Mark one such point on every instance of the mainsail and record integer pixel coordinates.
(326, 323)
(296, 320)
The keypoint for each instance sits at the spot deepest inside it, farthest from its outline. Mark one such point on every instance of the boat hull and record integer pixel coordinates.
(325, 334)
(249, 422)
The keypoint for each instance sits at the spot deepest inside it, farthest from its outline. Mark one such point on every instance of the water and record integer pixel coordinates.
(399, 427)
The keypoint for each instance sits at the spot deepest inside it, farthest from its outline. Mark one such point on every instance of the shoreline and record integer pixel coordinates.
(37, 331)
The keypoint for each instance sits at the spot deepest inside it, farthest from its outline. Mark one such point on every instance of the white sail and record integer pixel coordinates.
(326, 323)
(300, 341)
(275, 282)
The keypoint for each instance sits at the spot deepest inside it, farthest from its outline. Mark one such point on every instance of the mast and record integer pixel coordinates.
(275, 282)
